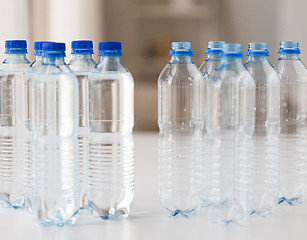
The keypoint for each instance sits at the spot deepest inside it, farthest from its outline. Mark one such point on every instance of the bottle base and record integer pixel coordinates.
(290, 201)
(6, 202)
(109, 213)
(60, 222)
(184, 213)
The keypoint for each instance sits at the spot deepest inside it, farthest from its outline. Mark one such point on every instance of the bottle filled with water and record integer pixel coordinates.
(111, 145)
(28, 100)
(180, 108)
(82, 64)
(293, 123)
(266, 134)
(55, 160)
(230, 105)
(12, 123)
(210, 64)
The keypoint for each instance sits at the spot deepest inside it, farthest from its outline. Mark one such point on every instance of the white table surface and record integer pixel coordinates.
(146, 220)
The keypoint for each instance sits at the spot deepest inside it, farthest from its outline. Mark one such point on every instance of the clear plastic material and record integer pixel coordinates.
(293, 136)
(111, 144)
(266, 134)
(180, 94)
(230, 123)
(28, 101)
(82, 65)
(12, 129)
(210, 64)
(55, 157)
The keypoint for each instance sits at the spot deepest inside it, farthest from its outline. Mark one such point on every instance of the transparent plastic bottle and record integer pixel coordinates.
(111, 145)
(28, 101)
(180, 109)
(82, 64)
(55, 140)
(12, 123)
(210, 64)
(293, 123)
(213, 58)
(230, 123)
(267, 127)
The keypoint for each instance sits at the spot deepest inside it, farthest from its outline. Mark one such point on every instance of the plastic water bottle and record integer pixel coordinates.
(55, 140)
(180, 108)
(266, 134)
(230, 123)
(210, 64)
(38, 47)
(293, 136)
(213, 58)
(111, 145)
(82, 64)
(12, 123)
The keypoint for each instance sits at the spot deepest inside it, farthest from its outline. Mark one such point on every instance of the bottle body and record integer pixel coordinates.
(230, 124)
(111, 146)
(81, 65)
(55, 158)
(11, 130)
(266, 135)
(293, 155)
(180, 94)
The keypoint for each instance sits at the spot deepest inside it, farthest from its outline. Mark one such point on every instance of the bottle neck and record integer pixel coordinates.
(232, 61)
(109, 59)
(288, 56)
(53, 60)
(213, 57)
(19, 58)
(257, 58)
(180, 59)
(85, 57)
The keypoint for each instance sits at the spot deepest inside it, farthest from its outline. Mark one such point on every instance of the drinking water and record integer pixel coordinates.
(111, 145)
(12, 123)
(82, 64)
(180, 108)
(55, 159)
(266, 134)
(293, 138)
(230, 119)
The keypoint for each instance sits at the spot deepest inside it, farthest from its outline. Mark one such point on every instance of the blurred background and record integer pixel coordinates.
(146, 29)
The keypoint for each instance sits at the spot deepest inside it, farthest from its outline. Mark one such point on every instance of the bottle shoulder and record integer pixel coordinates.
(82, 65)
(180, 73)
(294, 69)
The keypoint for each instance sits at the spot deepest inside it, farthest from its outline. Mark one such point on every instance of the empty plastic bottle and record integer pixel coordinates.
(111, 145)
(210, 64)
(180, 109)
(293, 136)
(12, 123)
(82, 64)
(38, 47)
(213, 58)
(266, 134)
(55, 140)
(230, 119)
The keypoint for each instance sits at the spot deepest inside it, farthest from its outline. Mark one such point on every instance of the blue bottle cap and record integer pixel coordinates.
(181, 49)
(38, 48)
(110, 49)
(215, 47)
(16, 47)
(232, 50)
(257, 49)
(52, 49)
(289, 47)
(82, 47)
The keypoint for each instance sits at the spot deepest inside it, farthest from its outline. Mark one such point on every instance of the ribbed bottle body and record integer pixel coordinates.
(266, 135)
(230, 124)
(55, 153)
(181, 99)
(293, 140)
(12, 137)
(111, 145)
